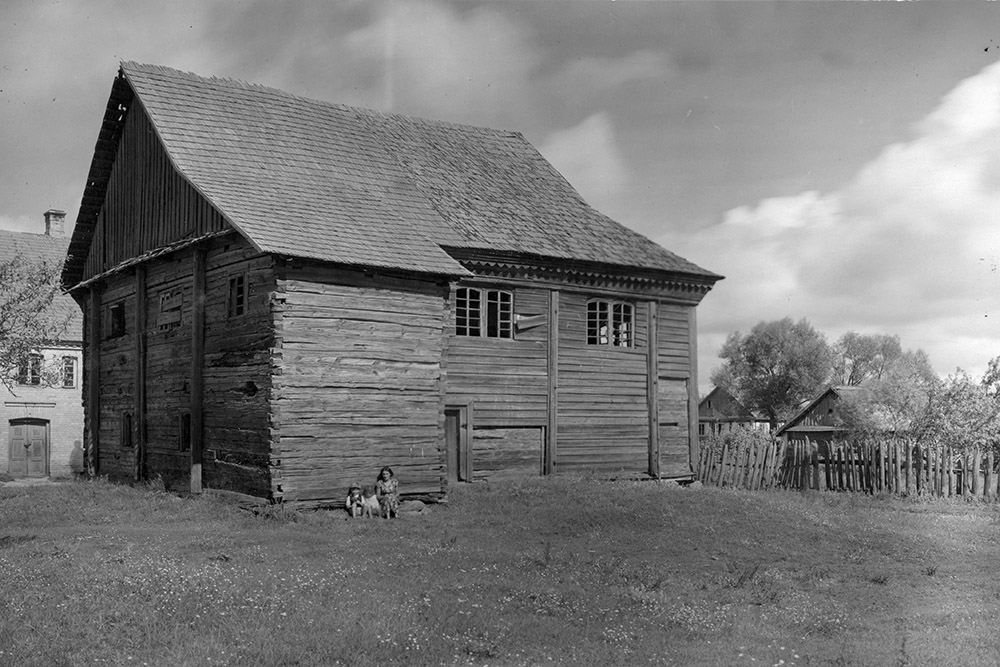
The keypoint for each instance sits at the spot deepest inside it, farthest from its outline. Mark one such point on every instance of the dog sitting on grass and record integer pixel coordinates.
(369, 503)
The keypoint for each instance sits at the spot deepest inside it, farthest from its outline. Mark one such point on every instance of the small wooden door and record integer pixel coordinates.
(458, 445)
(29, 448)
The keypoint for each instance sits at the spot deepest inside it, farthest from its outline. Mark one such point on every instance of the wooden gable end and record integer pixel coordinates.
(147, 204)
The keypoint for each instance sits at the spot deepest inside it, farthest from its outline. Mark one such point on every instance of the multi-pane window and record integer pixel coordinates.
(484, 313)
(30, 370)
(237, 295)
(69, 372)
(610, 323)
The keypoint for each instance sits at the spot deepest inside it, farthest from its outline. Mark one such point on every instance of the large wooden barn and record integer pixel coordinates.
(282, 295)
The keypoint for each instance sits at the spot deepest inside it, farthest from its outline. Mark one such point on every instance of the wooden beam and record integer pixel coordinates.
(197, 364)
(552, 431)
(139, 409)
(693, 387)
(93, 381)
(653, 386)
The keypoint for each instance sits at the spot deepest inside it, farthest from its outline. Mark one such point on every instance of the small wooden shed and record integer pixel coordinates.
(282, 295)
(820, 420)
(719, 412)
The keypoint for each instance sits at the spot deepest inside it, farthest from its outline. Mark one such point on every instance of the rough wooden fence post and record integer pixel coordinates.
(989, 476)
(965, 473)
(814, 456)
(909, 466)
(977, 461)
(722, 464)
(897, 470)
(950, 456)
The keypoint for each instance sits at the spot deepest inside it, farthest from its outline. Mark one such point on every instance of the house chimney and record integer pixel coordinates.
(55, 221)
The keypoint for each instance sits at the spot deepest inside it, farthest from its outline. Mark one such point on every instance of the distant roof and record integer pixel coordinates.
(841, 391)
(52, 249)
(311, 179)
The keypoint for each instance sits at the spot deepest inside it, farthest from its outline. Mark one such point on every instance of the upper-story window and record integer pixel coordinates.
(69, 372)
(30, 370)
(610, 323)
(114, 322)
(237, 303)
(486, 313)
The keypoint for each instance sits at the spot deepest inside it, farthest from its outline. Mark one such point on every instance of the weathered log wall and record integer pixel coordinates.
(602, 407)
(360, 381)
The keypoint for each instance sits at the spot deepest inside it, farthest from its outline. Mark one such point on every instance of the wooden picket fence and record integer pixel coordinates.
(871, 466)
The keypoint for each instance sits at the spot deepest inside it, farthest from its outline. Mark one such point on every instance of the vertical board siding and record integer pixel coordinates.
(602, 403)
(506, 380)
(361, 387)
(148, 204)
(674, 361)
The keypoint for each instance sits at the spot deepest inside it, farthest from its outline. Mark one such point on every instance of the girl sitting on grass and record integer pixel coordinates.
(387, 490)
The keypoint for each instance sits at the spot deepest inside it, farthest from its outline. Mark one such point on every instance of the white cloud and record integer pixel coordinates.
(589, 157)
(441, 62)
(911, 245)
(598, 74)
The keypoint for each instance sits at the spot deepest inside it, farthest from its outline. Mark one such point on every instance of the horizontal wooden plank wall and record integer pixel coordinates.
(360, 381)
(674, 349)
(236, 371)
(148, 204)
(602, 399)
(505, 379)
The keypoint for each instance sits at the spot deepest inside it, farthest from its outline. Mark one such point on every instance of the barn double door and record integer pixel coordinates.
(29, 449)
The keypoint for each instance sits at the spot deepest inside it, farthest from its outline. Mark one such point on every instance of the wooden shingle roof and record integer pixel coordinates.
(311, 179)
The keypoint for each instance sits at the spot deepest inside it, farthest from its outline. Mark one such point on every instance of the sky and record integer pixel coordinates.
(838, 162)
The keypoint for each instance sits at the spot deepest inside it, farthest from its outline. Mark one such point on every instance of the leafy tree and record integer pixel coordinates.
(963, 413)
(894, 397)
(28, 322)
(775, 367)
(859, 358)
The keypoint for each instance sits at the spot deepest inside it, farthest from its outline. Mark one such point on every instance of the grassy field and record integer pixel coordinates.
(535, 572)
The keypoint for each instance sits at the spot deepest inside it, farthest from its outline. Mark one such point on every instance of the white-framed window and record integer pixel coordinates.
(610, 323)
(484, 313)
(30, 370)
(69, 372)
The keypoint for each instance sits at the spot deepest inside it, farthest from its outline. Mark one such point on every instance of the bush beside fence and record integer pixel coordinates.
(894, 466)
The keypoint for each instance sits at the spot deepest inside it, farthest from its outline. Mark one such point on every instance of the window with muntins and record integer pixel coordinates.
(69, 372)
(610, 323)
(30, 370)
(484, 313)
(237, 295)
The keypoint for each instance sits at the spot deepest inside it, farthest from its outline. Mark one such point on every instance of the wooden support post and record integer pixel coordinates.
(92, 457)
(139, 395)
(653, 390)
(552, 430)
(197, 365)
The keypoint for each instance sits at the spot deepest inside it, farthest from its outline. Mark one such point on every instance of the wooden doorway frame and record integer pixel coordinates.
(458, 441)
(30, 421)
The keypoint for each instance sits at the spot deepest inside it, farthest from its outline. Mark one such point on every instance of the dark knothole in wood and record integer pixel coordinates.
(248, 389)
